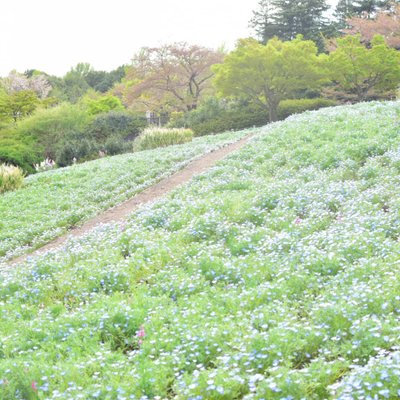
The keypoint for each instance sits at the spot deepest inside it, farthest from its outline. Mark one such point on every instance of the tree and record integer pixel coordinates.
(102, 81)
(170, 77)
(362, 72)
(267, 74)
(263, 21)
(101, 104)
(16, 82)
(18, 104)
(386, 23)
(364, 9)
(286, 19)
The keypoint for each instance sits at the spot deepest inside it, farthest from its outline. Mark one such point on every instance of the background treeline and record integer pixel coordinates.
(305, 55)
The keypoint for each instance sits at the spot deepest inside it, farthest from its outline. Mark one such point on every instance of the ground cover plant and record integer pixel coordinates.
(53, 201)
(273, 276)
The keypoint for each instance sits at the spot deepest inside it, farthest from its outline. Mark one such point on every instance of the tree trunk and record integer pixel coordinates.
(273, 111)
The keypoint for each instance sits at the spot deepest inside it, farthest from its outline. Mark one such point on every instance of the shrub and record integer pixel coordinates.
(11, 177)
(231, 120)
(22, 151)
(49, 127)
(297, 106)
(115, 145)
(114, 124)
(79, 149)
(162, 137)
(215, 117)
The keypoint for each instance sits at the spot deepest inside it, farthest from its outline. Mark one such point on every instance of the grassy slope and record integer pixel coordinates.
(54, 201)
(275, 275)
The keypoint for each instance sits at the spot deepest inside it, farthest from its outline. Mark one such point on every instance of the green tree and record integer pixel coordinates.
(103, 81)
(101, 104)
(346, 9)
(267, 74)
(17, 105)
(287, 19)
(364, 72)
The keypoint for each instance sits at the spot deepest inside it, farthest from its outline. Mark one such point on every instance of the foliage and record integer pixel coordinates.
(215, 117)
(386, 24)
(17, 105)
(115, 123)
(103, 81)
(268, 74)
(169, 77)
(365, 9)
(286, 20)
(50, 127)
(73, 85)
(103, 104)
(16, 82)
(75, 148)
(154, 137)
(19, 150)
(64, 197)
(11, 177)
(364, 72)
(297, 106)
(274, 275)
(115, 145)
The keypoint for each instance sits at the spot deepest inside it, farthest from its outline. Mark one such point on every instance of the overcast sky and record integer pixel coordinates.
(54, 35)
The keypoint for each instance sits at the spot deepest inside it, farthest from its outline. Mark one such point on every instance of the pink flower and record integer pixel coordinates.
(34, 387)
(298, 221)
(141, 333)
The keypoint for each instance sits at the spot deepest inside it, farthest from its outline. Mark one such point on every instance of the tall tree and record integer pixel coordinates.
(385, 23)
(170, 77)
(364, 73)
(267, 74)
(263, 21)
(346, 9)
(286, 19)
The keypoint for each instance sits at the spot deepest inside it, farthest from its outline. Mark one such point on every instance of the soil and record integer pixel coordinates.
(120, 213)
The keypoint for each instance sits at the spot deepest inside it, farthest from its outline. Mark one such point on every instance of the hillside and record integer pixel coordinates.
(273, 276)
(52, 202)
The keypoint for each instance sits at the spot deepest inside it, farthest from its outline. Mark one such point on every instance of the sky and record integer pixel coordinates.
(55, 35)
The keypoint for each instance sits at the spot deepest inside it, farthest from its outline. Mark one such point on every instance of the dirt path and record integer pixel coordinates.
(119, 214)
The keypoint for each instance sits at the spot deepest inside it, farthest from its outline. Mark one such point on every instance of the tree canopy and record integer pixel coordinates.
(172, 76)
(267, 74)
(286, 19)
(362, 72)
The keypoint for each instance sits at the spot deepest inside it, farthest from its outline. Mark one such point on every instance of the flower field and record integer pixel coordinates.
(54, 201)
(276, 275)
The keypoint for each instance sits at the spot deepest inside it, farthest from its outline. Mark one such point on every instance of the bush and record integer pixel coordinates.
(114, 124)
(152, 138)
(49, 127)
(214, 116)
(78, 148)
(11, 177)
(297, 106)
(231, 120)
(115, 145)
(20, 151)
